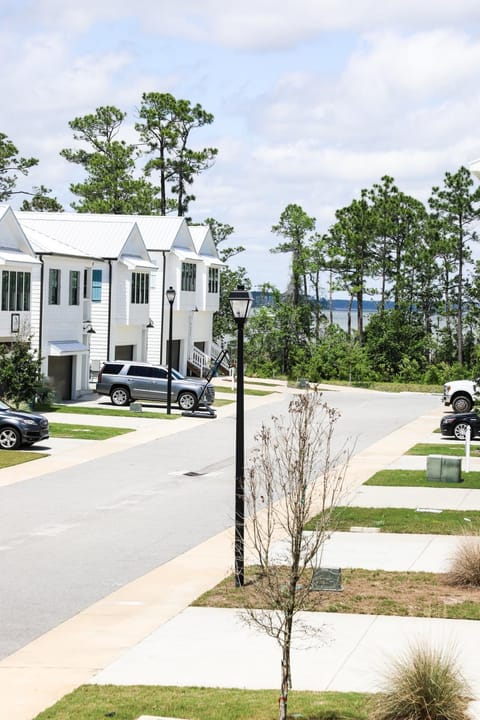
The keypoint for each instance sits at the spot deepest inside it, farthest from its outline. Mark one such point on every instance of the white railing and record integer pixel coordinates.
(202, 362)
(215, 352)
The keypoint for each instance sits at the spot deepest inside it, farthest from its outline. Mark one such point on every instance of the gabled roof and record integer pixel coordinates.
(164, 233)
(46, 245)
(14, 244)
(203, 240)
(94, 236)
(205, 246)
(159, 232)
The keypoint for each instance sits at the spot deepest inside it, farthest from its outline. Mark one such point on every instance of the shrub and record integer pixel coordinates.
(465, 563)
(425, 684)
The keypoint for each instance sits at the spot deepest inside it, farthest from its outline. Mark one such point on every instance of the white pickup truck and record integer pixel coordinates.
(460, 394)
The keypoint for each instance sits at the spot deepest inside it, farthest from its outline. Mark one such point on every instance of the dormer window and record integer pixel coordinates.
(140, 288)
(213, 274)
(189, 277)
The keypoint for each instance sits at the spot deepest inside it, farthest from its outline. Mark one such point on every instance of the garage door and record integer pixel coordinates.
(124, 352)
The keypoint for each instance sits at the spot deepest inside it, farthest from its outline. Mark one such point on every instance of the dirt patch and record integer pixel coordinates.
(374, 592)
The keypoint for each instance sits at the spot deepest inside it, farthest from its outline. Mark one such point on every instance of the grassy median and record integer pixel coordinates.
(92, 702)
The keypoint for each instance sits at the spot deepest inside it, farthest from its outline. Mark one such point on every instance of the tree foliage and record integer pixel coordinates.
(20, 373)
(415, 260)
(110, 186)
(166, 125)
(119, 174)
(12, 166)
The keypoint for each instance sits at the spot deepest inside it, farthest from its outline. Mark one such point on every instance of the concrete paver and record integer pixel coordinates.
(383, 551)
(451, 498)
(342, 652)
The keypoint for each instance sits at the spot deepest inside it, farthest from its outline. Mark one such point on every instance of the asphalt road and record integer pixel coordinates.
(71, 537)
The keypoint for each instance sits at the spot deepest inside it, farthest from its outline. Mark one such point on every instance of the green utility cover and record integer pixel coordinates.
(442, 468)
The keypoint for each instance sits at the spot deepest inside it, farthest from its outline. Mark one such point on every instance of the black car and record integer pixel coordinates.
(20, 428)
(456, 425)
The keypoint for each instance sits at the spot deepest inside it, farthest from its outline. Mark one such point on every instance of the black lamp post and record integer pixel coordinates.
(240, 301)
(170, 297)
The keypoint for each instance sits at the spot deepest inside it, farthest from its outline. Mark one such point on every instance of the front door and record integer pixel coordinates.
(60, 375)
(175, 354)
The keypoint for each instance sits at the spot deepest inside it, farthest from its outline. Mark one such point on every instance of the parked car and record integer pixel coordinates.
(460, 395)
(456, 425)
(20, 428)
(125, 381)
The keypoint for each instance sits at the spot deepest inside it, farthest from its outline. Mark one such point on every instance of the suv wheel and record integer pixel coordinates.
(120, 396)
(462, 404)
(10, 439)
(187, 401)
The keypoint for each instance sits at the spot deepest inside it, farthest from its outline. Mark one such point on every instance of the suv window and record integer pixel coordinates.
(111, 369)
(140, 371)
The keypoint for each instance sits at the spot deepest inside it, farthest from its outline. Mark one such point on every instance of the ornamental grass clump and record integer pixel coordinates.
(465, 563)
(425, 684)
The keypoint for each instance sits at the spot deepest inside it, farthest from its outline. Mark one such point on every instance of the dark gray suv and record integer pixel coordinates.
(125, 381)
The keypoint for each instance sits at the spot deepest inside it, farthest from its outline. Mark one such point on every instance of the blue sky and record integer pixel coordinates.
(313, 99)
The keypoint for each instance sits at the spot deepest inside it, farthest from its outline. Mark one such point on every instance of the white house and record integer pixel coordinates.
(188, 266)
(20, 281)
(96, 293)
(93, 287)
(186, 257)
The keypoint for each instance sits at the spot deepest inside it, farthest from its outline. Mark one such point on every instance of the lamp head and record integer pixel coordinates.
(171, 295)
(240, 301)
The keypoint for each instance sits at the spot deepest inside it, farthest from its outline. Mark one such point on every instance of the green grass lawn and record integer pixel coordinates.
(418, 478)
(116, 412)
(457, 450)
(402, 520)
(364, 592)
(248, 391)
(86, 432)
(9, 458)
(91, 702)
(111, 412)
(388, 386)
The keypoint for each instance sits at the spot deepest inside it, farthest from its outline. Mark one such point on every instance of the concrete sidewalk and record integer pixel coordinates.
(215, 648)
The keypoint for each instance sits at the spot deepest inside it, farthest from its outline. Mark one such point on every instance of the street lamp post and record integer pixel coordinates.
(170, 297)
(240, 301)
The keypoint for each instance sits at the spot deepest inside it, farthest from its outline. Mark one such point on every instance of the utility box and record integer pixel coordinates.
(441, 468)
(327, 579)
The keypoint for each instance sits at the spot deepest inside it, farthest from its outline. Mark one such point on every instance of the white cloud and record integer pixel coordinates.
(313, 99)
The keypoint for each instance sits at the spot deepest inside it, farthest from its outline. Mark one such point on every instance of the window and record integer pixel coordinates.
(74, 290)
(140, 288)
(189, 276)
(15, 290)
(96, 285)
(54, 287)
(212, 280)
(86, 284)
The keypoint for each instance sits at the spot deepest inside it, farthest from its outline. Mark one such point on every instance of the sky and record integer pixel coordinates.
(313, 100)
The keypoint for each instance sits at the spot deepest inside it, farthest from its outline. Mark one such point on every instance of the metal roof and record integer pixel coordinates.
(66, 347)
(45, 244)
(159, 232)
(93, 235)
(204, 244)
(134, 261)
(9, 256)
